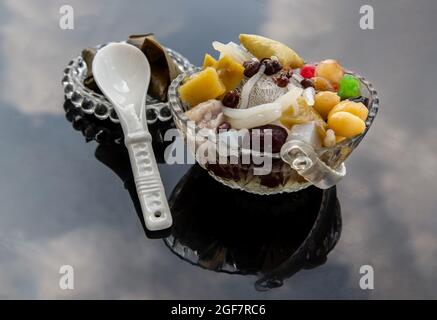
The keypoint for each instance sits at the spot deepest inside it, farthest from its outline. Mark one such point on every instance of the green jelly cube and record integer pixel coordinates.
(349, 87)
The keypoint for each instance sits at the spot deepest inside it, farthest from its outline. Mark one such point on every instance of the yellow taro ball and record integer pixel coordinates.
(202, 86)
(356, 108)
(346, 124)
(325, 101)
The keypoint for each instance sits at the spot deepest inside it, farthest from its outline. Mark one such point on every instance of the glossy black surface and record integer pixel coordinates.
(61, 203)
(236, 236)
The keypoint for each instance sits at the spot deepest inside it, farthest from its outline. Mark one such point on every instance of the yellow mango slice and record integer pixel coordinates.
(208, 61)
(230, 72)
(262, 47)
(202, 86)
(346, 124)
(356, 108)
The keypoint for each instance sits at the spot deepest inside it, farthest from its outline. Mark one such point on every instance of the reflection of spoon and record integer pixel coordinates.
(231, 231)
(122, 73)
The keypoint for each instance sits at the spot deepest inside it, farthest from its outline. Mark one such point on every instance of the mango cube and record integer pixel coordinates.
(230, 72)
(208, 61)
(201, 87)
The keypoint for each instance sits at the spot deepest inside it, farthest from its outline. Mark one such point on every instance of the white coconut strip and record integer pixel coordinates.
(248, 86)
(236, 52)
(242, 52)
(255, 120)
(253, 117)
(244, 113)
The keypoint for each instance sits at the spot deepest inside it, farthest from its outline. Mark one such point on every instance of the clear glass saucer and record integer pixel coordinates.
(97, 105)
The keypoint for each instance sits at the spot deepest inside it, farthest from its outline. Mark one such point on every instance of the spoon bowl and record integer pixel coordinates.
(123, 73)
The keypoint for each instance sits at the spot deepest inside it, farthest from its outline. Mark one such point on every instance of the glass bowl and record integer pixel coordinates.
(295, 167)
(97, 105)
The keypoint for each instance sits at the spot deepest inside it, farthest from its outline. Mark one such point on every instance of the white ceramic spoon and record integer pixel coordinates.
(122, 73)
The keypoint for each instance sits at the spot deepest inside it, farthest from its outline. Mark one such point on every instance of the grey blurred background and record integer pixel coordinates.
(388, 198)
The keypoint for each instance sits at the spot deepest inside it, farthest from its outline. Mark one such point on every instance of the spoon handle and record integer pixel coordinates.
(148, 182)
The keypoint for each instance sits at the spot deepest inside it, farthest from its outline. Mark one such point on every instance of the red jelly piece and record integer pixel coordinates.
(308, 71)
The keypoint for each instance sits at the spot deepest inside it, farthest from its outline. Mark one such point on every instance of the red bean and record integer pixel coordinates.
(251, 67)
(281, 81)
(231, 99)
(278, 137)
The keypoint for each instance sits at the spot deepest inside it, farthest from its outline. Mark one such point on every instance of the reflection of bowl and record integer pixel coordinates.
(293, 169)
(230, 231)
(95, 104)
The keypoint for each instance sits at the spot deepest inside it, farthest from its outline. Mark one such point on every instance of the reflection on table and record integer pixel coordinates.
(232, 231)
